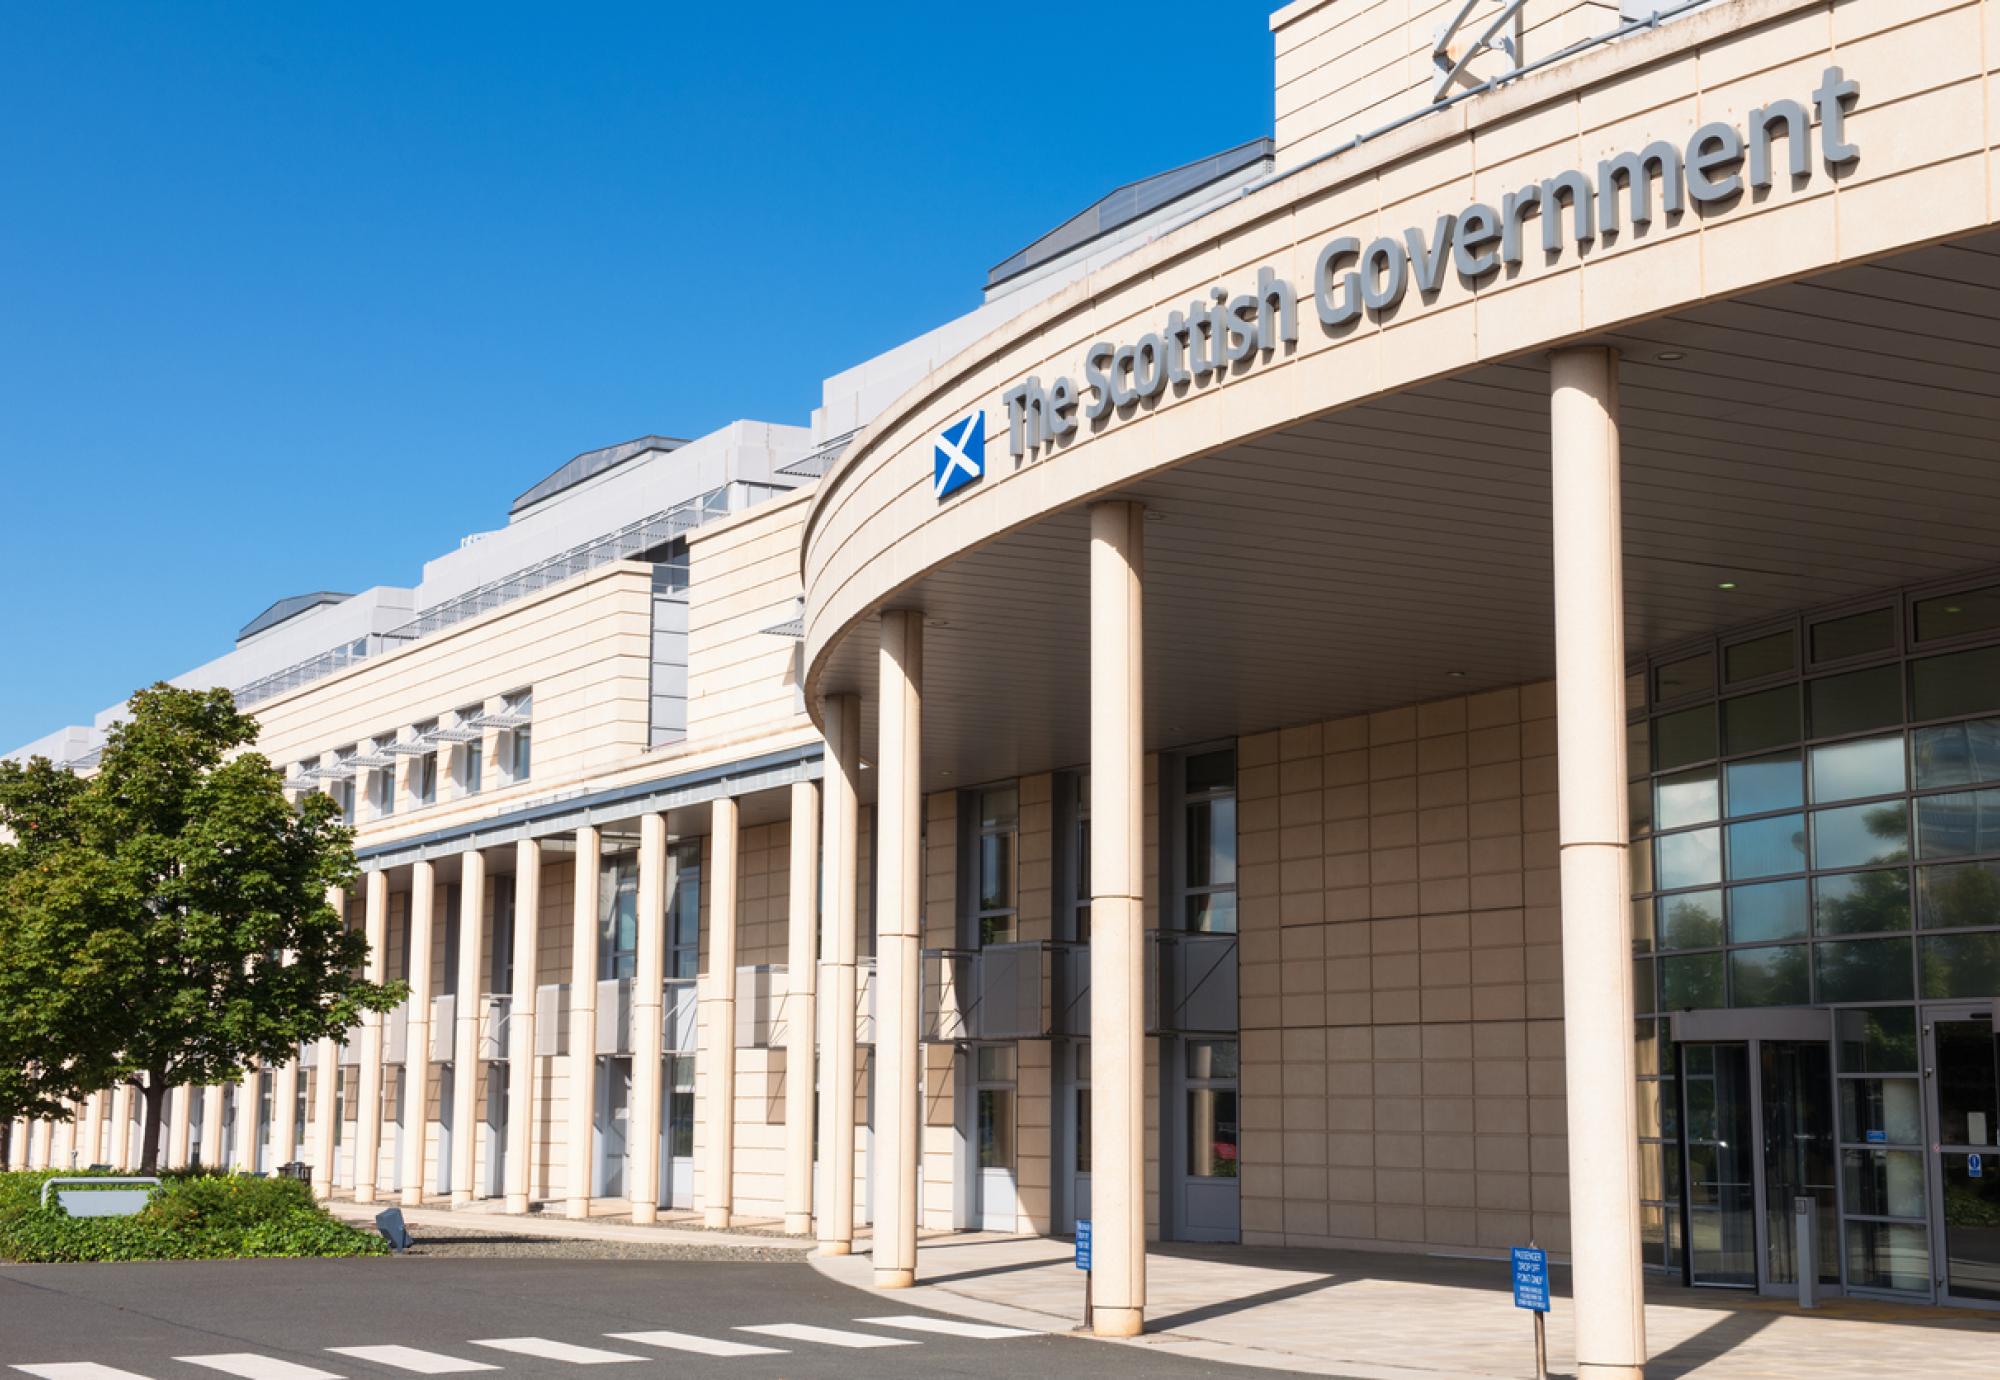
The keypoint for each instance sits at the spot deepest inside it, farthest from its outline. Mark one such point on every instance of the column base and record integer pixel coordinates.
(716, 1218)
(1598, 1370)
(836, 1248)
(1117, 1322)
(576, 1209)
(461, 1198)
(889, 1277)
(364, 1193)
(798, 1224)
(645, 1214)
(413, 1197)
(517, 1203)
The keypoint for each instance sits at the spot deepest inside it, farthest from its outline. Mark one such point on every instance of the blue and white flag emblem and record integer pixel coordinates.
(961, 454)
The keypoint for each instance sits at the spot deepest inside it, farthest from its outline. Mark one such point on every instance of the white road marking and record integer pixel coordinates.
(687, 1341)
(251, 1366)
(78, 1370)
(829, 1336)
(544, 1349)
(949, 1327)
(402, 1358)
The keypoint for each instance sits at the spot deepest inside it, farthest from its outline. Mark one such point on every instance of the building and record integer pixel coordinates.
(1431, 682)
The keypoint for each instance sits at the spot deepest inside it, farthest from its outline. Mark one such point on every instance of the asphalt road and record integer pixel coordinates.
(282, 1319)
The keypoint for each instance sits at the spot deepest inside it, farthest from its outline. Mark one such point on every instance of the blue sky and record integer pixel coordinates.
(292, 296)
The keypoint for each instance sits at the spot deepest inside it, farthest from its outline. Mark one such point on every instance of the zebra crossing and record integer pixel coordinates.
(637, 1348)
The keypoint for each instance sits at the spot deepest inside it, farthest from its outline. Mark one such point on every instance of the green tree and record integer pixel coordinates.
(181, 908)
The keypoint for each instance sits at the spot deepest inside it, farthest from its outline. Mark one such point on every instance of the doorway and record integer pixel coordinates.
(991, 1112)
(1205, 1146)
(1962, 1055)
(1757, 1130)
(1073, 1138)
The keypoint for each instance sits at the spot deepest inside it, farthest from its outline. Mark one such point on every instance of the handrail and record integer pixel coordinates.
(95, 1180)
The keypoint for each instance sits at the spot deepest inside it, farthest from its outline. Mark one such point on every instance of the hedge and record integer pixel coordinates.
(190, 1216)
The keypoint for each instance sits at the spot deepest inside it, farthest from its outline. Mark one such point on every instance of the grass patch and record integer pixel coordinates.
(190, 1216)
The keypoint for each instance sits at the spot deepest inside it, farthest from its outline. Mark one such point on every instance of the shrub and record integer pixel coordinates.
(191, 1216)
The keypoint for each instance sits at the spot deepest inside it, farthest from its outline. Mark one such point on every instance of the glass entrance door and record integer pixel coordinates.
(1964, 1059)
(1721, 1168)
(1758, 1125)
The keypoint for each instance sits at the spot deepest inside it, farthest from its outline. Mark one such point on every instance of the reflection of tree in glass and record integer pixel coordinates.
(1955, 897)
(1869, 970)
(1776, 978)
(1961, 965)
(1890, 822)
(1692, 921)
(1864, 904)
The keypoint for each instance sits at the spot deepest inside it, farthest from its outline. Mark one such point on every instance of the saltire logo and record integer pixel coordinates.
(961, 454)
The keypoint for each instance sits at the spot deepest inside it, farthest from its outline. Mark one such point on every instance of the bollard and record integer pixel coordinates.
(1805, 1249)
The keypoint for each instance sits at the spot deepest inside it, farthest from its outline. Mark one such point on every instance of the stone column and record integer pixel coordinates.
(41, 1145)
(648, 1038)
(180, 1118)
(417, 1038)
(90, 1131)
(582, 1090)
(899, 810)
(248, 1108)
(469, 1009)
(325, 1080)
(718, 1023)
(214, 1154)
(1596, 881)
(521, 1024)
(368, 1099)
(120, 1155)
(284, 1112)
(801, 1005)
(842, 716)
(1117, 918)
(63, 1152)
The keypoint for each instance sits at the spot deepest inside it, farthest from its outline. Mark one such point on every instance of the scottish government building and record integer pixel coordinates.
(1428, 680)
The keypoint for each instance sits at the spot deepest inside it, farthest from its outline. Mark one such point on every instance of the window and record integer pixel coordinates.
(618, 917)
(470, 767)
(424, 770)
(384, 776)
(995, 824)
(1208, 842)
(520, 736)
(684, 910)
(346, 787)
(1211, 1109)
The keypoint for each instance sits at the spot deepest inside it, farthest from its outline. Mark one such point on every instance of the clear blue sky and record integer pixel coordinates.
(294, 295)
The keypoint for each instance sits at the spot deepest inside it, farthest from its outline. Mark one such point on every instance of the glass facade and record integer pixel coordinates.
(1815, 815)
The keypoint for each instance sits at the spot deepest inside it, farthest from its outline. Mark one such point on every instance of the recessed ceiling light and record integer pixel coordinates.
(1155, 515)
(937, 622)
(1953, 608)
(1726, 584)
(1669, 356)
(1454, 675)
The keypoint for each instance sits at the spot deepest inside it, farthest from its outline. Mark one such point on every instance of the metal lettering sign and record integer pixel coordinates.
(1219, 336)
(1083, 1245)
(1531, 1278)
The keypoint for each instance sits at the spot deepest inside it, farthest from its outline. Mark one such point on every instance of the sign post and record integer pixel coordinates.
(1531, 1291)
(1083, 1264)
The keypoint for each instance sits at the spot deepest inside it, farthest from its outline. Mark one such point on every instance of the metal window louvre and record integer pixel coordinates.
(552, 1020)
(301, 783)
(614, 1016)
(762, 991)
(501, 718)
(339, 771)
(414, 747)
(681, 1027)
(453, 735)
(444, 1028)
(373, 760)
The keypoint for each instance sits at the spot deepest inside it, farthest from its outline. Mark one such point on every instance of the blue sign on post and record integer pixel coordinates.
(1083, 1245)
(1531, 1278)
(1975, 1166)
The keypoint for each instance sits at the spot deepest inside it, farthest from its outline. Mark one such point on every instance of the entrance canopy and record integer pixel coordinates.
(1793, 447)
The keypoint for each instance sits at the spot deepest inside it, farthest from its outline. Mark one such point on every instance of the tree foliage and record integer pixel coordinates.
(166, 920)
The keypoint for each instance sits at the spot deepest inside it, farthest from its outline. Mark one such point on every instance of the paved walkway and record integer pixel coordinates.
(1389, 1317)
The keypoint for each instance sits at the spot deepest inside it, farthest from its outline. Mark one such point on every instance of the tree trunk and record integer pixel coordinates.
(154, 1090)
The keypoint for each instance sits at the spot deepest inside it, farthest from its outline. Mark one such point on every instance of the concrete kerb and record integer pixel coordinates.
(461, 1221)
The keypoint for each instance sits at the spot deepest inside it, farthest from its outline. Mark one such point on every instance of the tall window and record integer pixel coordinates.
(345, 788)
(684, 912)
(618, 917)
(502, 972)
(424, 774)
(520, 746)
(383, 779)
(471, 755)
(996, 824)
(1073, 877)
(1208, 841)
